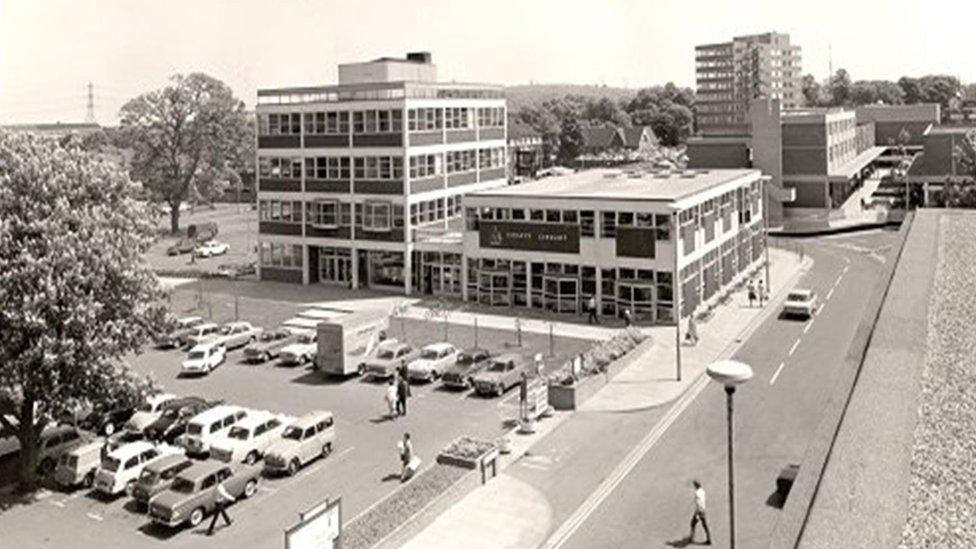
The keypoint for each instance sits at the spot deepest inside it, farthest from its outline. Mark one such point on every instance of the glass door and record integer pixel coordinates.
(639, 298)
(561, 294)
(494, 288)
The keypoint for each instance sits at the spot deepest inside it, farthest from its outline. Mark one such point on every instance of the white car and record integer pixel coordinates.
(210, 425)
(148, 412)
(238, 334)
(211, 248)
(249, 438)
(300, 352)
(121, 468)
(201, 333)
(800, 303)
(203, 358)
(433, 361)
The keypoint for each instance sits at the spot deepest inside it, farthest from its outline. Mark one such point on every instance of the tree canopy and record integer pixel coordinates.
(187, 138)
(75, 293)
(840, 91)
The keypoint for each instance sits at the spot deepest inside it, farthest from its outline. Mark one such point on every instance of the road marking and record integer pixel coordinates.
(536, 466)
(831, 292)
(793, 348)
(807, 327)
(93, 516)
(572, 524)
(846, 267)
(776, 375)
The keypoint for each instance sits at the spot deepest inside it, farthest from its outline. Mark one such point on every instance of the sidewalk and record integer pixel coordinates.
(507, 513)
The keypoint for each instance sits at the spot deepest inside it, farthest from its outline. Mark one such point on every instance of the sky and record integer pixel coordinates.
(51, 49)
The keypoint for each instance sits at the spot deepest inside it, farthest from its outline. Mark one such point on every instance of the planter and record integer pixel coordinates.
(476, 453)
(571, 397)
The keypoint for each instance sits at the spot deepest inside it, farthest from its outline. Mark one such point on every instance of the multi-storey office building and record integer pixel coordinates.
(616, 236)
(730, 75)
(353, 178)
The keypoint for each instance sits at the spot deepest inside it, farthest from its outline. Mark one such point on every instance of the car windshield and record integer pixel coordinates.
(293, 433)
(145, 407)
(239, 433)
(385, 354)
(226, 330)
(271, 336)
(429, 354)
(465, 359)
(194, 429)
(171, 413)
(111, 464)
(148, 476)
(68, 459)
(182, 486)
(498, 367)
(797, 296)
(196, 355)
(305, 338)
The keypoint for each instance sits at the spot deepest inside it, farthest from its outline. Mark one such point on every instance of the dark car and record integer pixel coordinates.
(235, 270)
(502, 373)
(173, 422)
(469, 362)
(192, 494)
(107, 421)
(183, 246)
(158, 476)
(269, 345)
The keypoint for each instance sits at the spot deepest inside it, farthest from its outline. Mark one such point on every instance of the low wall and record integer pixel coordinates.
(571, 397)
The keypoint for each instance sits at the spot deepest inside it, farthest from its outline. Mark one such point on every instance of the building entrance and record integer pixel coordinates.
(335, 266)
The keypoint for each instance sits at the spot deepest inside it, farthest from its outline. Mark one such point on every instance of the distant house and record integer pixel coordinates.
(526, 154)
(609, 140)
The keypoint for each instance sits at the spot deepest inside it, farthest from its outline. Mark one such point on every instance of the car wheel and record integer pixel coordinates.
(109, 429)
(130, 487)
(361, 370)
(196, 517)
(88, 480)
(293, 467)
(302, 359)
(500, 389)
(266, 357)
(326, 449)
(250, 488)
(252, 458)
(46, 466)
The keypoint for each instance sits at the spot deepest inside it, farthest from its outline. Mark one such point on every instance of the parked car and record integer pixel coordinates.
(469, 362)
(434, 359)
(106, 420)
(192, 494)
(158, 476)
(57, 441)
(269, 345)
(202, 333)
(802, 303)
(77, 466)
(249, 439)
(235, 270)
(389, 355)
(176, 414)
(305, 439)
(209, 425)
(202, 232)
(503, 373)
(301, 351)
(182, 246)
(121, 468)
(238, 334)
(148, 412)
(203, 358)
(182, 330)
(211, 248)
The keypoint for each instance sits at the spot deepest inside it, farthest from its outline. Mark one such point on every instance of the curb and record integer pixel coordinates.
(834, 230)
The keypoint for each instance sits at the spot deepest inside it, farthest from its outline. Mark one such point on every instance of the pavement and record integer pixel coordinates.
(648, 384)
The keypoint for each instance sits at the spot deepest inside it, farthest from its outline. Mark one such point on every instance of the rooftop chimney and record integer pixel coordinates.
(420, 57)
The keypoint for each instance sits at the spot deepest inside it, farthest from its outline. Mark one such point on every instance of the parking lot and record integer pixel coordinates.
(364, 466)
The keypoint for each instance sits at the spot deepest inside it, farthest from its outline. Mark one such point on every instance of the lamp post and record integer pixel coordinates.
(730, 374)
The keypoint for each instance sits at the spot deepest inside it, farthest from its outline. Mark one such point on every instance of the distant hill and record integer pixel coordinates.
(536, 94)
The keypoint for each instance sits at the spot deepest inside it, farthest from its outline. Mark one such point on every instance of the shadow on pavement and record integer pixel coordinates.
(776, 500)
(683, 542)
(317, 378)
(158, 531)
(391, 476)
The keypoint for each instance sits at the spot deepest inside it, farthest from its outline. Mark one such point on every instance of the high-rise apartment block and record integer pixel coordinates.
(730, 75)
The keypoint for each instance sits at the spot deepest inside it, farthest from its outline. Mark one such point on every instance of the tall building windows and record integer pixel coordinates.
(377, 168)
(377, 121)
(423, 120)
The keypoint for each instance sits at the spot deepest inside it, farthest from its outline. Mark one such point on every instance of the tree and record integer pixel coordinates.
(605, 111)
(570, 140)
(839, 89)
(960, 192)
(812, 92)
(933, 88)
(75, 293)
(672, 124)
(867, 92)
(186, 138)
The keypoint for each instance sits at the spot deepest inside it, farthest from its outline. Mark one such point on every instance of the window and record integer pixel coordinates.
(458, 118)
(277, 167)
(376, 216)
(324, 213)
(273, 254)
(609, 226)
(280, 124)
(460, 161)
(424, 120)
(586, 223)
(425, 165)
(663, 224)
(280, 211)
(491, 117)
(378, 168)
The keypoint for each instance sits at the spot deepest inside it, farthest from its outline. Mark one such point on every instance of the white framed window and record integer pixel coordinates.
(377, 216)
(324, 213)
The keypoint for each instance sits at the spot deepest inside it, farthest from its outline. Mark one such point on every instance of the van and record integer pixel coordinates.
(308, 437)
(347, 342)
(121, 468)
(78, 466)
(158, 476)
(208, 425)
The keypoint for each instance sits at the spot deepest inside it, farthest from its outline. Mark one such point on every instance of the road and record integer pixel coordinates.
(776, 413)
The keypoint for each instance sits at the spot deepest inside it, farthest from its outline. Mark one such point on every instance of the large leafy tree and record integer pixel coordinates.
(866, 92)
(75, 293)
(960, 191)
(187, 137)
(839, 89)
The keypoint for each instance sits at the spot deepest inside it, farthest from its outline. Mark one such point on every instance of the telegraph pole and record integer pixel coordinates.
(90, 107)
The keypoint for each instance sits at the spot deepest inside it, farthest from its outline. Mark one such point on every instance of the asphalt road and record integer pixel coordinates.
(360, 470)
(775, 414)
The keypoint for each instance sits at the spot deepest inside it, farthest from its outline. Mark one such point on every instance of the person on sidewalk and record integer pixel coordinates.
(403, 393)
(752, 294)
(628, 318)
(692, 333)
(591, 306)
(524, 397)
(762, 293)
(223, 499)
(391, 399)
(699, 515)
(408, 462)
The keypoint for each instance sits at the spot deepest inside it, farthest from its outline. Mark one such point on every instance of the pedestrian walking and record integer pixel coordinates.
(699, 515)
(524, 397)
(223, 499)
(692, 333)
(391, 399)
(403, 369)
(762, 293)
(409, 463)
(752, 294)
(591, 305)
(403, 392)
(628, 318)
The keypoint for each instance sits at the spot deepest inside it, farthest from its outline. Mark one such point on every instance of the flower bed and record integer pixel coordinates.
(598, 358)
(466, 452)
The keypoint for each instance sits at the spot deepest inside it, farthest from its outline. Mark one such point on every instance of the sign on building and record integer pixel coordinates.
(534, 237)
(318, 528)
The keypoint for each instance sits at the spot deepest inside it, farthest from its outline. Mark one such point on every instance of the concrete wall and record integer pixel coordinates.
(707, 155)
(767, 150)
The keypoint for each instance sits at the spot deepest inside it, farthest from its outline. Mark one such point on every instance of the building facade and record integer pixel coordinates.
(939, 162)
(730, 75)
(616, 236)
(897, 125)
(360, 183)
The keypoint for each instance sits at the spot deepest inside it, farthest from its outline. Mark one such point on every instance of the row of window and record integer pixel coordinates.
(610, 220)
(380, 121)
(438, 209)
(289, 211)
(274, 254)
(375, 215)
(454, 118)
(339, 168)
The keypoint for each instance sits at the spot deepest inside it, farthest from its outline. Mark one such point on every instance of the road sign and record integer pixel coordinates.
(318, 528)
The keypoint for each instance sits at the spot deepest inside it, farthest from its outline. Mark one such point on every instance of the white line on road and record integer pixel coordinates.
(807, 327)
(793, 348)
(846, 267)
(776, 375)
(572, 524)
(831, 292)
(93, 516)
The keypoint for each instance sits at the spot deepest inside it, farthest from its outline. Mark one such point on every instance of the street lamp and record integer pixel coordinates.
(730, 373)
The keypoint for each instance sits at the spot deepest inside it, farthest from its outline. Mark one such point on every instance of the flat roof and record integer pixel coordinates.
(609, 184)
(950, 129)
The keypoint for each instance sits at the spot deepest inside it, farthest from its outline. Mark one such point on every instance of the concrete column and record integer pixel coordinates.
(355, 268)
(464, 278)
(599, 288)
(305, 265)
(407, 271)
